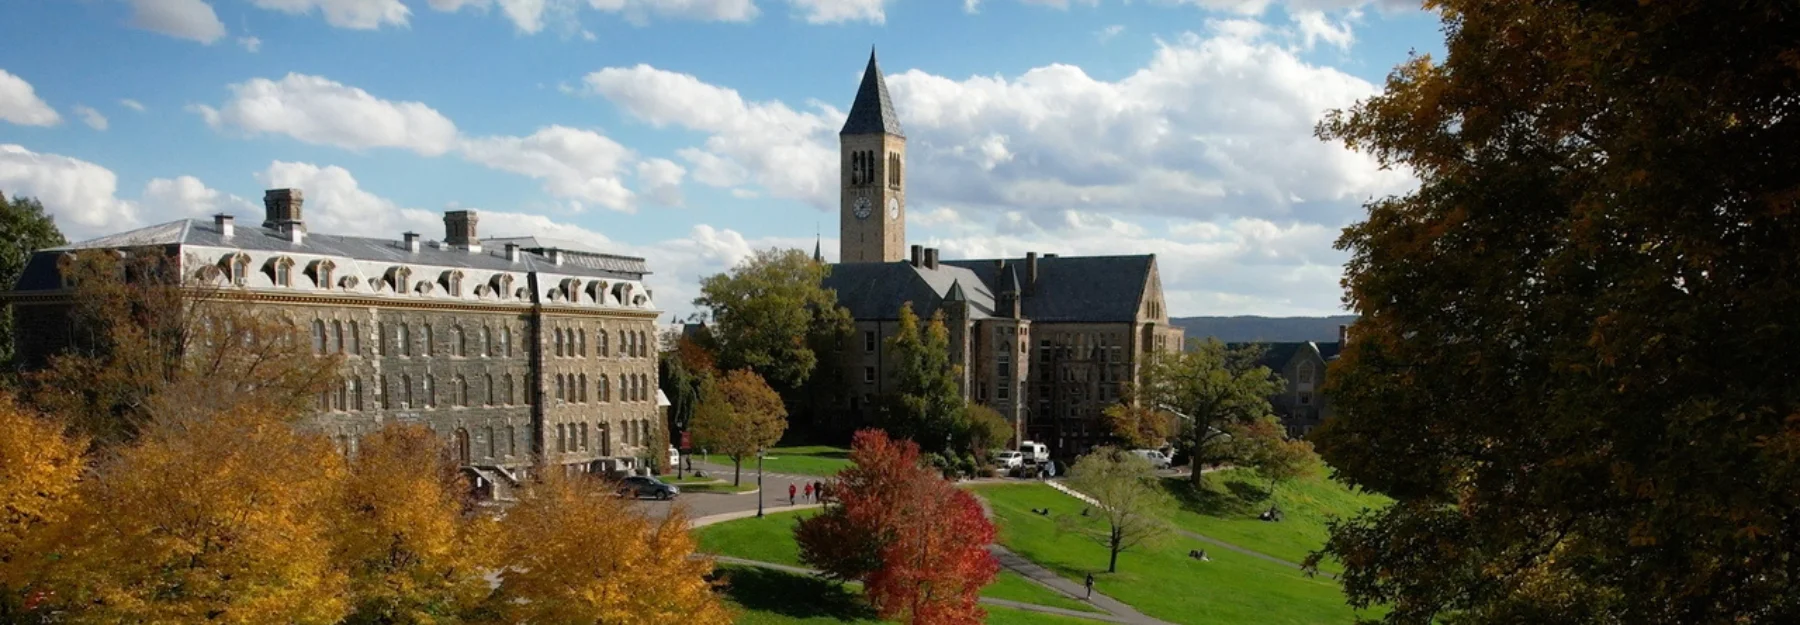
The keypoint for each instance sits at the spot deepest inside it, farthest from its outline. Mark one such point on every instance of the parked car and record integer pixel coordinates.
(1008, 459)
(674, 457)
(640, 486)
(1156, 458)
(1035, 451)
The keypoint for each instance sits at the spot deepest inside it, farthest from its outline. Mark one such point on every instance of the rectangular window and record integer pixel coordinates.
(1305, 398)
(981, 391)
(869, 340)
(1003, 391)
(868, 375)
(1006, 365)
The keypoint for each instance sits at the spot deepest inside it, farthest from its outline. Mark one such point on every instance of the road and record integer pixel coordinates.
(775, 499)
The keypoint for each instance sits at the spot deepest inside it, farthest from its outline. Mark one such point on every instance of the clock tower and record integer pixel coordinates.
(872, 208)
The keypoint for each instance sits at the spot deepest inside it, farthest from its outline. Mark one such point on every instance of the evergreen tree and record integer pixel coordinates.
(926, 405)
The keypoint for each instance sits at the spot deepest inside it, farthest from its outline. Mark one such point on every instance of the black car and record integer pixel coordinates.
(638, 487)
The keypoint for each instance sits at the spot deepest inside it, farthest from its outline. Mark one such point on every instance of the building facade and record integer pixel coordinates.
(513, 350)
(1301, 404)
(1048, 341)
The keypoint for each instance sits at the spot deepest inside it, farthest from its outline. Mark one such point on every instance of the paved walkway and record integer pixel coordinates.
(1045, 577)
(1017, 605)
(1056, 484)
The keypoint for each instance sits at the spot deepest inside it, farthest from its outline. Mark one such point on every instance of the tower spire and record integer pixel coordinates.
(817, 239)
(873, 111)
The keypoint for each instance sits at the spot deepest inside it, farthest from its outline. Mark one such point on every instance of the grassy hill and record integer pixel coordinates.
(1227, 509)
(1252, 329)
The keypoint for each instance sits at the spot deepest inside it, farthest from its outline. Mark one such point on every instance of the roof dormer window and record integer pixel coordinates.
(236, 266)
(452, 281)
(321, 272)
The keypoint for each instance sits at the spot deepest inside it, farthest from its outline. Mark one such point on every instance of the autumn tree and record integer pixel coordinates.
(223, 520)
(1212, 389)
(401, 536)
(681, 383)
(146, 340)
(24, 228)
(1139, 424)
(1570, 369)
(1273, 455)
(1131, 501)
(39, 473)
(578, 554)
(926, 404)
(916, 541)
(980, 428)
(738, 415)
(765, 310)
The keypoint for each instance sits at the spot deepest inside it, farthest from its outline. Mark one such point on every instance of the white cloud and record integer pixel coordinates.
(573, 163)
(193, 20)
(316, 110)
(132, 104)
(532, 16)
(167, 199)
(20, 104)
(250, 44)
(1315, 27)
(660, 179)
(337, 203)
(81, 195)
(782, 149)
(839, 11)
(90, 116)
(971, 6)
(354, 14)
(1106, 34)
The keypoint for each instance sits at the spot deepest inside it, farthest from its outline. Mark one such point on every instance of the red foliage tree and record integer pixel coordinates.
(916, 542)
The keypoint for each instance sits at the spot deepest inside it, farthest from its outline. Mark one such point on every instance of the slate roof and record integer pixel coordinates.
(1069, 288)
(873, 111)
(1277, 355)
(41, 273)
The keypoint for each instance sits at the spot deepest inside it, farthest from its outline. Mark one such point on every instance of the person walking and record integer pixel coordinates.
(1090, 586)
(790, 493)
(818, 491)
(807, 492)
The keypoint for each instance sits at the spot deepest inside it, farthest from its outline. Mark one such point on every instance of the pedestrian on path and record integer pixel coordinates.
(818, 491)
(790, 494)
(1090, 586)
(808, 491)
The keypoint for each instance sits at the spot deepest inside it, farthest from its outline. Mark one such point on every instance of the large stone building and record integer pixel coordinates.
(513, 350)
(1301, 404)
(1049, 341)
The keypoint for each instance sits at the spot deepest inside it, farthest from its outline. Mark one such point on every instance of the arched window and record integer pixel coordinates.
(403, 339)
(354, 340)
(643, 344)
(281, 271)
(512, 440)
(381, 339)
(561, 388)
(492, 445)
(562, 438)
(506, 341)
(430, 348)
(461, 392)
(356, 394)
(456, 342)
(406, 392)
(559, 342)
(605, 390)
(336, 343)
(387, 392)
(506, 386)
(325, 400)
(581, 343)
(318, 337)
(584, 437)
(430, 391)
(487, 342)
(604, 349)
(605, 438)
(488, 383)
(462, 446)
(237, 266)
(343, 395)
(399, 279)
(1305, 372)
(583, 387)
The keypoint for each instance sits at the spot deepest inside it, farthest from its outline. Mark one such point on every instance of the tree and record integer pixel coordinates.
(24, 228)
(1215, 389)
(1139, 424)
(765, 309)
(411, 555)
(1569, 368)
(39, 469)
(738, 416)
(578, 554)
(980, 428)
(222, 520)
(1275, 456)
(682, 385)
(916, 541)
(1129, 497)
(148, 343)
(926, 403)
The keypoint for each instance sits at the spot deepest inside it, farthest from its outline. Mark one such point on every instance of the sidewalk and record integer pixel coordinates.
(1034, 572)
(1005, 603)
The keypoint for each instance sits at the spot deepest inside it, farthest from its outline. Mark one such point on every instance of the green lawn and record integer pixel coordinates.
(820, 460)
(769, 597)
(718, 487)
(1227, 508)
(1163, 582)
(771, 539)
(687, 479)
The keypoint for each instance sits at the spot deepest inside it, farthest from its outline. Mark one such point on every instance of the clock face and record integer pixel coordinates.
(893, 209)
(862, 208)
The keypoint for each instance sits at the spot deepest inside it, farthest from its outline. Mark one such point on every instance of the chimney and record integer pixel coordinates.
(556, 256)
(224, 222)
(459, 230)
(512, 252)
(1343, 335)
(931, 258)
(1031, 272)
(917, 255)
(412, 241)
(1049, 256)
(281, 212)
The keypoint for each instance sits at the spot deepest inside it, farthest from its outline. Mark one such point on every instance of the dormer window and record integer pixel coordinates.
(452, 281)
(236, 266)
(571, 290)
(322, 272)
(280, 271)
(501, 284)
(398, 279)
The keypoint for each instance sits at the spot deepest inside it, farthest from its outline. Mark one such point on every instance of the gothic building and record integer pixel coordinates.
(1049, 341)
(513, 350)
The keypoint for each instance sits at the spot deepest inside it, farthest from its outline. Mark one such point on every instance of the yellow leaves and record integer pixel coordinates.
(577, 554)
(39, 469)
(1641, 535)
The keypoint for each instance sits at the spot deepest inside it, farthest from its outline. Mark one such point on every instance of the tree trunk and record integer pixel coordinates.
(737, 471)
(1112, 566)
(1198, 478)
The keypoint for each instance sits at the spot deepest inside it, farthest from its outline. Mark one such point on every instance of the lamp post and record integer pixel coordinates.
(759, 483)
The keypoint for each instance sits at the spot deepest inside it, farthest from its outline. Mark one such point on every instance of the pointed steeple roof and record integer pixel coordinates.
(817, 257)
(873, 111)
(956, 293)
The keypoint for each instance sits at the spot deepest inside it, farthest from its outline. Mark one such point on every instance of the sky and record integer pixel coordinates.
(694, 132)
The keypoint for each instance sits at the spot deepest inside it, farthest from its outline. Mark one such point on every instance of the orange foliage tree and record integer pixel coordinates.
(39, 469)
(577, 554)
(916, 541)
(411, 554)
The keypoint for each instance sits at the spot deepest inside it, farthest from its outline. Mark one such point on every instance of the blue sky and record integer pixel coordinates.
(691, 132)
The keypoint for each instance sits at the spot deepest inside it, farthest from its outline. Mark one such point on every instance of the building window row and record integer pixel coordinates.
(573, 343)
(487, 390)
(573, 388)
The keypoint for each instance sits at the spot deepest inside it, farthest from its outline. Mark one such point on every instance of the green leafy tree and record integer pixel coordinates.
(926, 406)
(24, 228)
(681, 385)
(738, 415)
(1130, 501)
(1214, 390)
(1139, 424)
(1571, 368)
(1273, 455)
(980, 428)
(765, 310)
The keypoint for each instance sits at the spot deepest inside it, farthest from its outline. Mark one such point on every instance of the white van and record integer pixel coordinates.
(674, 458)
(1156, 458)
(1037, 452)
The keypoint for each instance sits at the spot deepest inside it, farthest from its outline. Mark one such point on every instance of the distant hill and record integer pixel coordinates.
(1250, 329)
